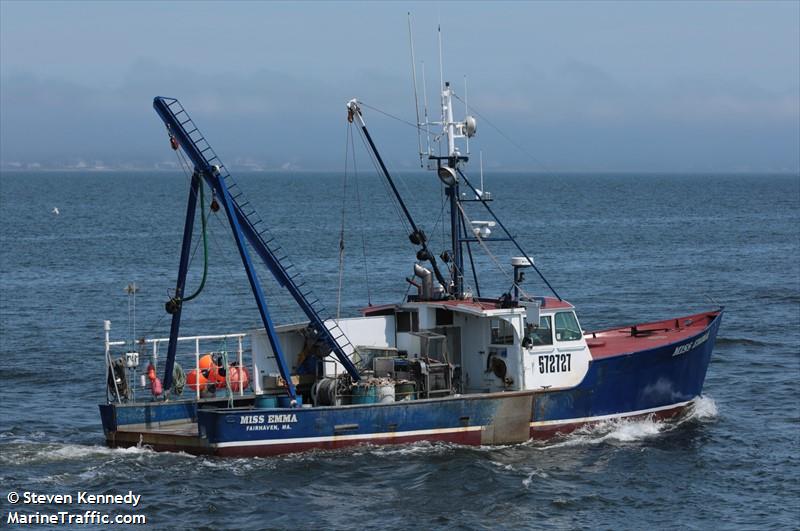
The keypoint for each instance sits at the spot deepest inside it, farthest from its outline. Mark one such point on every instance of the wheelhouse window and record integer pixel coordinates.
(567, 328)
(407, 322)
(444, 317)
(541, 333)
(502, 332)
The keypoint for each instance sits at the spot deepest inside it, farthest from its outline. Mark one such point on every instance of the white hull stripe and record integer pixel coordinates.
(582, 420)
(351, 437)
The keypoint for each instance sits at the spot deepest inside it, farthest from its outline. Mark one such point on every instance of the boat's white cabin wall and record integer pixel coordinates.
(364, 331)
(560, 364)
(474, 346)
(372, 331)
(478, 347)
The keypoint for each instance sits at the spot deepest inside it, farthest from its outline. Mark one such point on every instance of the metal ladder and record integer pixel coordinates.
(266, 245)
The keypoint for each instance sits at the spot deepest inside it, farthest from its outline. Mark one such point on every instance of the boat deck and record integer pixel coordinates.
(645, 336)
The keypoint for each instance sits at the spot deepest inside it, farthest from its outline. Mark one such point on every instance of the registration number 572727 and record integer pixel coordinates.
(552, 363)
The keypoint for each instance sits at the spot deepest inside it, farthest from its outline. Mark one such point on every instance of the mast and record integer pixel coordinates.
(448, 168)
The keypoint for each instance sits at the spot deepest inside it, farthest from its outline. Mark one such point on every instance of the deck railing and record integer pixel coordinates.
(152, 345)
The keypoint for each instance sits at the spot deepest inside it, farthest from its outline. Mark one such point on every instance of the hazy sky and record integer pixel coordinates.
(672, 86)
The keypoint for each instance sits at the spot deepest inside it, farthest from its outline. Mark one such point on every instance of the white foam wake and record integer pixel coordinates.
(631, 430)
(704, 409)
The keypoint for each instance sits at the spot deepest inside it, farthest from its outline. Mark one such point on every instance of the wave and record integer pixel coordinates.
(704, 408)
(744, 342)
(26, 452)
(624, 430)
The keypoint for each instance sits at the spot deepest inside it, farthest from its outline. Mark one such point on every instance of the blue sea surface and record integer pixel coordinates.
(622, 248)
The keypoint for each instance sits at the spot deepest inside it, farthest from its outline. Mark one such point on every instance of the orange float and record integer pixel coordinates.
(216, 375)
(239, 377)
(195, 380)
(207, 362)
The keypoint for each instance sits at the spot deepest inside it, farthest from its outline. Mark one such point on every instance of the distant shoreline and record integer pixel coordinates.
(564, 173)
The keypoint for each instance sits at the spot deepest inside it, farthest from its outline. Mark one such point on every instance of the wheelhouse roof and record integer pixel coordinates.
(472, 306)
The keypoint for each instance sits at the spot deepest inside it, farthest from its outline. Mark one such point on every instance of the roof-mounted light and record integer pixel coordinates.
(447, 175)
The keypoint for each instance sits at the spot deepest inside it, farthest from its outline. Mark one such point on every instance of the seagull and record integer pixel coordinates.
(55, 211)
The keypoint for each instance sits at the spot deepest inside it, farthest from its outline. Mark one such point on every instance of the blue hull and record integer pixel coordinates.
(643, 382)
(659, 382)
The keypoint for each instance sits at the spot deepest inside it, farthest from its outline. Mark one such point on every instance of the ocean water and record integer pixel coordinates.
(622, 248)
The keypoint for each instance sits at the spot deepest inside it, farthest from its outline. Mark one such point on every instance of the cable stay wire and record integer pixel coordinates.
(392, 199)
(491, 255)
(418, 127)
(360, 218)
(508, 138)
(341, 231)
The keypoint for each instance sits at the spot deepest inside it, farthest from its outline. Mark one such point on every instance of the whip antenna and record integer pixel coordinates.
(425, 109)
(466, 109)
(414, 78)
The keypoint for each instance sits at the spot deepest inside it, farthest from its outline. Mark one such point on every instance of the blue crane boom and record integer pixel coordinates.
(243, 224)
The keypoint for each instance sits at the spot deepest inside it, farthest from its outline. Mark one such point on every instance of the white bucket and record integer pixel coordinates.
(386, 393)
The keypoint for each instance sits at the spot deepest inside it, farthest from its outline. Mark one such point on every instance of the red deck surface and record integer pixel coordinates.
(645, 336)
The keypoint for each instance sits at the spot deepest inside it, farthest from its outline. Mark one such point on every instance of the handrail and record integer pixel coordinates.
(185, 338)
(155, 342)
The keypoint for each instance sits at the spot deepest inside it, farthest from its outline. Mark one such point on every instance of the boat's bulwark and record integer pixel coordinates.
(480, 419)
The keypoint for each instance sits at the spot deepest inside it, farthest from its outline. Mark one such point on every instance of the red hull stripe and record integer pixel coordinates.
(601, 418)
(468, 438)
(547, 429)
(357, 438)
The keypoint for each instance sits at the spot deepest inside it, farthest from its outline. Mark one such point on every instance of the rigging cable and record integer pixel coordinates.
(389, 193)
(341, 231)
(392, 116)
(409, 192)
(512, 239)
(183, 164)
(360, 218)
(205, 247)
(471, 260)
(492, 256)
(505, 136)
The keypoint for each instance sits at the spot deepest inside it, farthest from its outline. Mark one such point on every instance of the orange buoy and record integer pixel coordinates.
(156, 387)
(195, 379)
(239, 377)
(151, 373)
(216, 375)
(207, 362)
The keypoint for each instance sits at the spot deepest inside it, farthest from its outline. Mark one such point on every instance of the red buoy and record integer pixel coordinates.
(151, 373)
(207, 363)
(195, 379)
(156, 387)
(239, 377)
(216, 375)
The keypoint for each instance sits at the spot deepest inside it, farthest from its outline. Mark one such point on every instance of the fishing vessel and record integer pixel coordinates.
(446, 363)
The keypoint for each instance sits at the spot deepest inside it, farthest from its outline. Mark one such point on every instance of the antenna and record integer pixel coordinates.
(441, 68)
(466, 113)
(481, 163)
(414, 77)
(131, 289)
(425, 102)
(441, 65)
